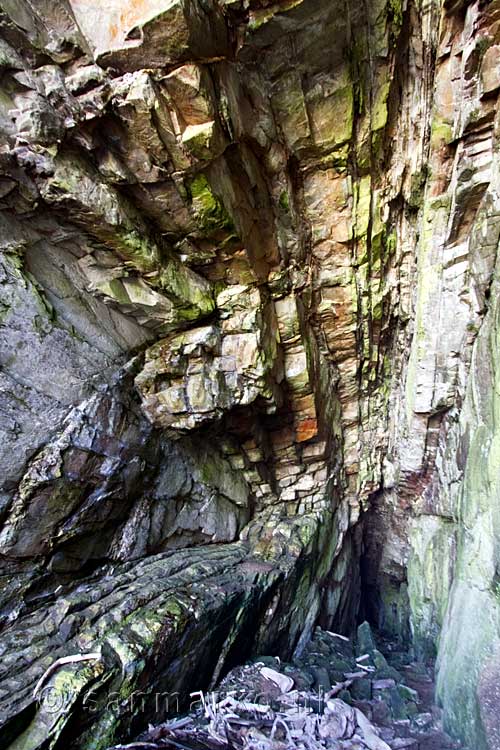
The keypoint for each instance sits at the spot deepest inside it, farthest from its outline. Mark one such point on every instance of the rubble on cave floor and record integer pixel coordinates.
(337, 695)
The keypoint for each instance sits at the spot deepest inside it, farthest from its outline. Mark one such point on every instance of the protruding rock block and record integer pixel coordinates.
(151, 33)
(197, 376)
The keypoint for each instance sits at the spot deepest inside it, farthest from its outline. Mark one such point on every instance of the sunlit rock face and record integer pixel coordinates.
(248, 344)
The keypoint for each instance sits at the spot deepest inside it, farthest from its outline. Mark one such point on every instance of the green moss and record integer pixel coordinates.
(260, 17)
(328, 545)
(307, 531)
(395, 16)
(441, 132)
(147, 626)
(343, 109)
(417, 187)
(8, 57)
(356, 55)
(66, 687)
(362, 196)
(74, 333)
(391, 242)
(378, 246)
(470, 637)
(210, 212)
(193, 294)
(339, 158)
(378, 143)
(141, 252)
(379, 106)
(429, 575)
(115, 290)
(394, 611)
(377, 310)
(284, 202)
(103, 732)
(199, 143)
(257, 20)
(47, 313)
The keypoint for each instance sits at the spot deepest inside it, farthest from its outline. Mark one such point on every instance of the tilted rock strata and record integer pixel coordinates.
(146, 619)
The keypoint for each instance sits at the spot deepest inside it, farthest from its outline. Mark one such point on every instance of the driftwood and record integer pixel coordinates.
(284, 707)
(73, 659)
(232, 724)
(337, 635)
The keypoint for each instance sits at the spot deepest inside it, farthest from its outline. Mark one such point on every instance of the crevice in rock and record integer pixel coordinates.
(384, 601)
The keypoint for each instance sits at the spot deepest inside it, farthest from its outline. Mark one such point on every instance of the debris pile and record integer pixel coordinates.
(332, 697)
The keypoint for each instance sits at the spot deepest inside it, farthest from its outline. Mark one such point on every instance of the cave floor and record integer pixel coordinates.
(337, 694)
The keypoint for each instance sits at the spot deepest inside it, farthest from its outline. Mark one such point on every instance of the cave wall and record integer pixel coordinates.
(247, 319)
(431, 579)
(436, 581)
(168, 193)
(469, 638)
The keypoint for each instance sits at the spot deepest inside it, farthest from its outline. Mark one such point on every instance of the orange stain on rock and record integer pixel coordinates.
(306, 429)
(135, 12)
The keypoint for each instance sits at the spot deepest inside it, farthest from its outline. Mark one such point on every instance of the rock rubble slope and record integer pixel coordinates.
(249, 346)
(327, 698)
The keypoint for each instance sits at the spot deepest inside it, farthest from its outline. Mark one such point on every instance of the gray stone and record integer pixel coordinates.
(365, 642)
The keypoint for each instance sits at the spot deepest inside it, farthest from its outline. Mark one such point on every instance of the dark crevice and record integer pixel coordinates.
(384, 596)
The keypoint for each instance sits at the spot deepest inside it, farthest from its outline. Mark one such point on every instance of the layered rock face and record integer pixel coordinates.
(249, 336)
